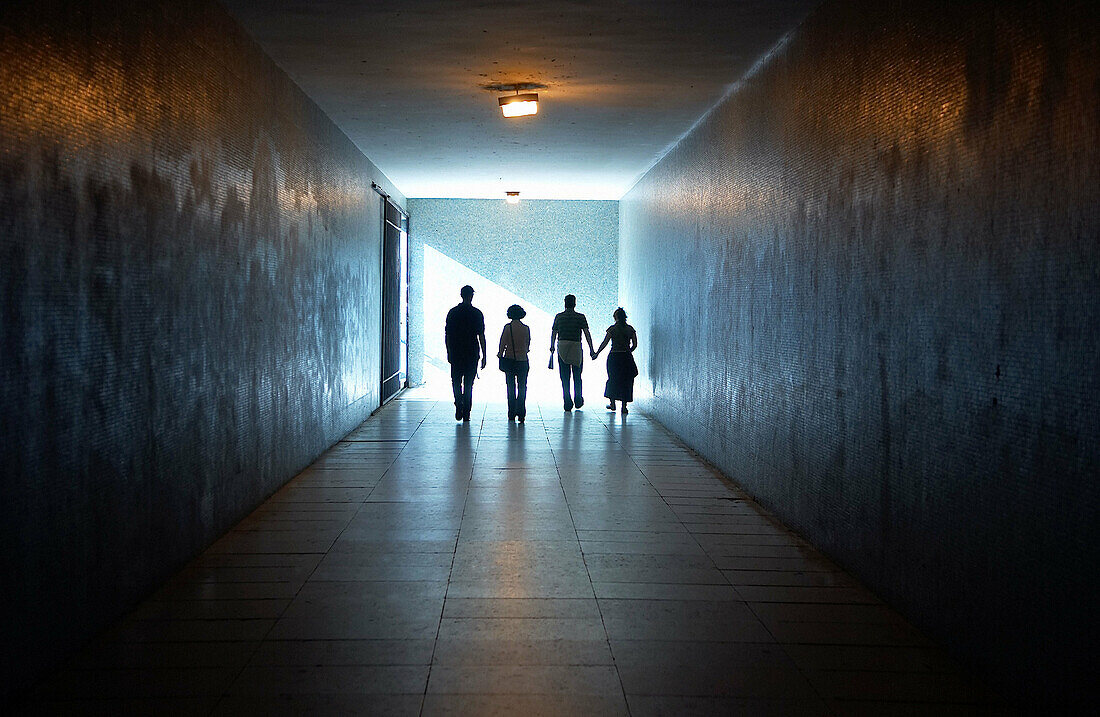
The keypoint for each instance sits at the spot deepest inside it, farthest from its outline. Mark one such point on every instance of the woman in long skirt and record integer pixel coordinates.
(621, 368)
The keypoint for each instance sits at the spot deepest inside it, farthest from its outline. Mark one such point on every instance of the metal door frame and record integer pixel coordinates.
(403, 262)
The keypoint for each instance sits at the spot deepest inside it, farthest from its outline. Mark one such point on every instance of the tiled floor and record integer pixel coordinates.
(581, 564)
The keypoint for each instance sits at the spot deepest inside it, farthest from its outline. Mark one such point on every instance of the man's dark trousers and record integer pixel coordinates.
(564, 369)
(462, 381)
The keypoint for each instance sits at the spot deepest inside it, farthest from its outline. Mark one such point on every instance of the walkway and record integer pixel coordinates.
(580, 564)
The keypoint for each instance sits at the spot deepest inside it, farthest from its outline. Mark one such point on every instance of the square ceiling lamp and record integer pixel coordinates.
(520, 105)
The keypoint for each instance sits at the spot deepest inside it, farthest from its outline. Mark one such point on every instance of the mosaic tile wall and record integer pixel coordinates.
(189, 273)
(537, 249)
(868, 288)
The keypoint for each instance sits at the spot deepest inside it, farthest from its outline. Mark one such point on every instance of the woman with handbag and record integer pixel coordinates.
(515, 343)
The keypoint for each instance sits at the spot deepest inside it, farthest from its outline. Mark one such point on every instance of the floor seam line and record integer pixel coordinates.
(454, 557)
(584, 561)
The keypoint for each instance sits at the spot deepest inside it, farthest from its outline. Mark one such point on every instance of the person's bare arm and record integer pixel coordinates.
(606, 338)
(553, 336)
(587, 335)
(633, 341)
(481, 340)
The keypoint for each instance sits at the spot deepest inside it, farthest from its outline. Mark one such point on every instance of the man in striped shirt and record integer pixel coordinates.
(567, 330)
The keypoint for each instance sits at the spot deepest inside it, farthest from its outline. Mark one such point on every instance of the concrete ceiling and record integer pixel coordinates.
(624, 81)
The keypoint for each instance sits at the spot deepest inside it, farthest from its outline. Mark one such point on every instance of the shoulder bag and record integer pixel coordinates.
(508, 365)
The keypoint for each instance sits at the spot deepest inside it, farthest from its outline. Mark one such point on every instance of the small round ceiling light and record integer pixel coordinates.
(520, 105)
(511, 197)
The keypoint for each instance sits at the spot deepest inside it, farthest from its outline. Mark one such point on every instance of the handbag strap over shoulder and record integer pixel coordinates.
(512, 340)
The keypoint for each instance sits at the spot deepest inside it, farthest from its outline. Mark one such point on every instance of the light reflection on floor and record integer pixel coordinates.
(580, 564)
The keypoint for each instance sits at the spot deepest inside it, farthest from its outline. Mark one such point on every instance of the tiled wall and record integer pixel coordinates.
(868, 288)
(540, 250)
(189, 301)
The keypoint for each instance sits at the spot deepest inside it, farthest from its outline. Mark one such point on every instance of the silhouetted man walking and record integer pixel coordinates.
(567, 330)
(465, 334)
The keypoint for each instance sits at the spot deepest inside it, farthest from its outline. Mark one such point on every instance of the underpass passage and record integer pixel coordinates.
(582, 563)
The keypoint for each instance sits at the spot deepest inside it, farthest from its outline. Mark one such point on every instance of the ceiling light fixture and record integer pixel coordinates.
(511, 197)
(525, 101)
(519, 105)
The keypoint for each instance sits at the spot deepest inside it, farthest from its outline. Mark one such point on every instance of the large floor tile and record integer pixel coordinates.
(321, 705)
(664, 591)
(121, 655)
(521, 650)
(138, 682)
(522, 608)
(533, 705)
(160, 706)
(707, 706)
(343, 652)
(691, 620)
(525, 679)
(267, 680)
(521, 628)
